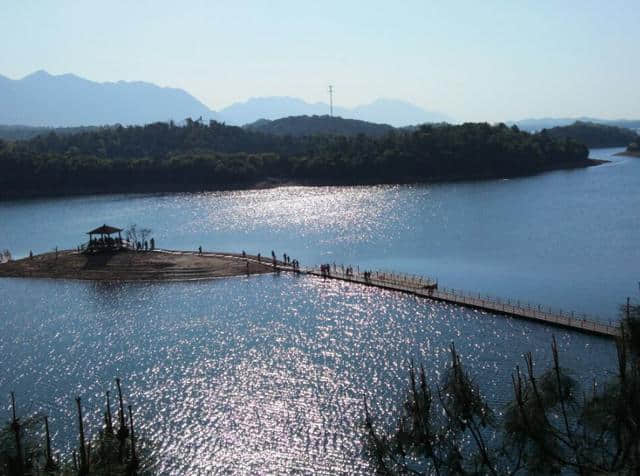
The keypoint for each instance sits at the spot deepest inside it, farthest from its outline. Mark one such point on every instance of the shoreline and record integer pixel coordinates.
(272, 182)
(628, 153)
(129, 266)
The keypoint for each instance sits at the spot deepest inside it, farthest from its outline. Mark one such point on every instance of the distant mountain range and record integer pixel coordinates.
(41, 99)
(382, 111)
(270, 108)
(44, 100)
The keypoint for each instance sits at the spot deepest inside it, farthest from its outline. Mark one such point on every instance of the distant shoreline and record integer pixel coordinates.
(628, 153)
(275, 182)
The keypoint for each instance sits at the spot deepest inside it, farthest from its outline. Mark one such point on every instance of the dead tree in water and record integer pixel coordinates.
(550, 427)
(133, 464)
(19, 444)
(50, 465)
(123, 431)
(24, 451)
(15, 427)
(107, 417)
(84, 466)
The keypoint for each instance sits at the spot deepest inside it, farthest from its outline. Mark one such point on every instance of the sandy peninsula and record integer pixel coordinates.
(128, 265)
(630, 153)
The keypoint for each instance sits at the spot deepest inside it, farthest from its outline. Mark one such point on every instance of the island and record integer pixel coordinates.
(593, 135)
(130, 265)
(164, 157)
(633, 150)
(109, 257)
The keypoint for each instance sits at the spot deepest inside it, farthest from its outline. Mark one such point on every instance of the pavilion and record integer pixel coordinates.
(105, 241)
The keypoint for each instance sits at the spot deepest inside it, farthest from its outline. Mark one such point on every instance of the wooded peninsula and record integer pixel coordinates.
(594, 135)
(633, 150)
(165, 157)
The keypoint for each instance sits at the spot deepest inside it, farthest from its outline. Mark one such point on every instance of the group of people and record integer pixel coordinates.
(145, 245)
(105, 242)
(286, 259)
(325, 270)
(294, 263)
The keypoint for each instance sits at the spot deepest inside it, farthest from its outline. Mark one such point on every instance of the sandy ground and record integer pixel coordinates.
(629, 153)
(133, 266)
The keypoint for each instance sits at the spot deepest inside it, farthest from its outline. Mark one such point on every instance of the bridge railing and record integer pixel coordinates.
(509, 305)
(424, 286)
(420, 285)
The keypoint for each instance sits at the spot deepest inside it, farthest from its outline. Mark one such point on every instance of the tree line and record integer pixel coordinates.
(197, 156)
(298, 126)
(552, 426)
(26, 445)
(28, 132)
(634, 148)
(594, 135)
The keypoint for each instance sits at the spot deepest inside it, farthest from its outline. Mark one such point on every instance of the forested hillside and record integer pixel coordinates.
(29, 132)
(318, 125)
(164, 157)
(594, 135)
(633, 149)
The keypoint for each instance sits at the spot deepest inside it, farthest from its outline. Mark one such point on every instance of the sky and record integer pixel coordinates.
(472, 60)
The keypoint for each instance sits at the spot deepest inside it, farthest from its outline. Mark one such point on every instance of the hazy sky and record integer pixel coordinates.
(473, 60)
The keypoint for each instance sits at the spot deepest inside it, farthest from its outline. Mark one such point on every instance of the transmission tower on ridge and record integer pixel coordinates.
(331, 100)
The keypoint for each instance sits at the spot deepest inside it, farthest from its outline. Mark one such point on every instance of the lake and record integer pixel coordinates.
(268, 373)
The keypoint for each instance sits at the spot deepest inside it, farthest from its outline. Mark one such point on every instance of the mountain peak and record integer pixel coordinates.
(43, 99)
(381, 111)
(41, 73)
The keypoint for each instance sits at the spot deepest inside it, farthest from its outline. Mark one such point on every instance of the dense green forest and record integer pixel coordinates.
(594, 135)
(298, 126)
(197, 156)
(29, 132)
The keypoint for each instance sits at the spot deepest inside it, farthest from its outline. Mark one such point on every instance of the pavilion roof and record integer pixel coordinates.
(104, 230)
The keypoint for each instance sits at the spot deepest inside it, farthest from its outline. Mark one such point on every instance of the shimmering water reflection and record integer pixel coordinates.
(253, 375)
(564, 239)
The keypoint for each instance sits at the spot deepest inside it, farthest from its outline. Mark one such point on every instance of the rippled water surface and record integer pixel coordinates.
(267, 374)
(260, 374)
(566, 239)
